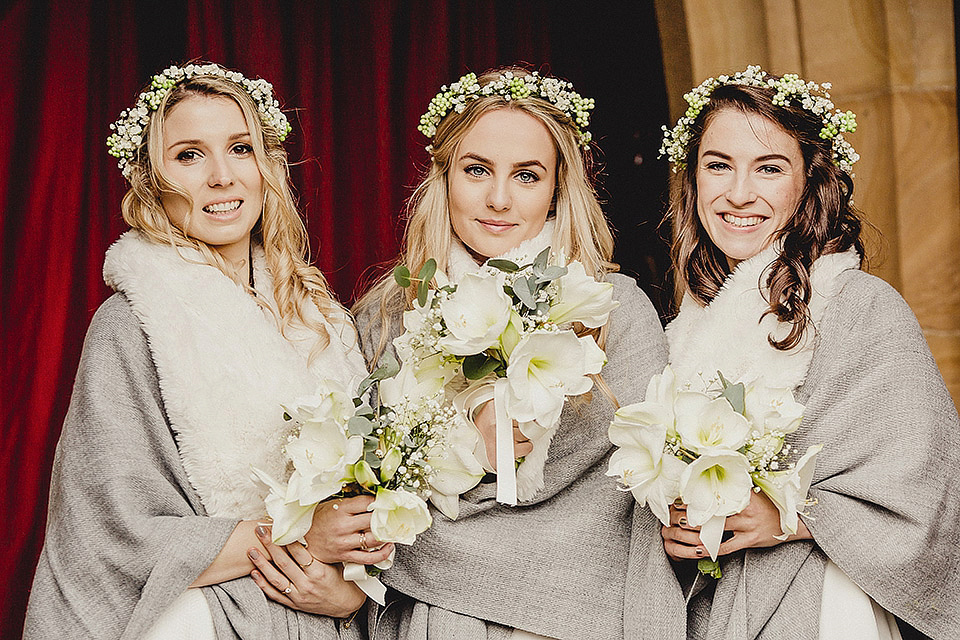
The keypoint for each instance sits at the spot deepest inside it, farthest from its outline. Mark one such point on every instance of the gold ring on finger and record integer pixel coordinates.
(304, 566)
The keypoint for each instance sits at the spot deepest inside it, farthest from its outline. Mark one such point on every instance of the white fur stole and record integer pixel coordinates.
(224, 368)
(728, 335)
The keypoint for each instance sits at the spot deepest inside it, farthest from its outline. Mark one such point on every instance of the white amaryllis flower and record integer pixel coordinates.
(639, 430)
(291, 519)
(409, 383)
(455, 468)
(321, 455)
(475, 315)
(581, 298)
(773, 409)
(545, 367)
(714, 486)
(398, 516)
(331, 401)
(708, 425)
(788, 489)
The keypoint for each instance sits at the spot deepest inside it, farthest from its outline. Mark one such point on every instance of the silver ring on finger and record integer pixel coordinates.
(363, 542)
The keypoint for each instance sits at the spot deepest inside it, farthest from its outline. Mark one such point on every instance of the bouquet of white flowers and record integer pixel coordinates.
(711, 448)
(412, 448)
(507, 330)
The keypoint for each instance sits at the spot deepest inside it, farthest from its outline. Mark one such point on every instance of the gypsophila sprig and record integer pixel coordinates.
(129, 128)
(790, 89)
(711, 443)
(511, 86)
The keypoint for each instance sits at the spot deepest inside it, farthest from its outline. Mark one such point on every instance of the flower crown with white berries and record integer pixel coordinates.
(128, 129)
(511, 86)
(810, 96)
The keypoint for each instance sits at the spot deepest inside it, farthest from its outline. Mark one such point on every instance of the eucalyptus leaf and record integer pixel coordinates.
(360, 426)
(372, 460)
(522, 289)
(551, 273)
(402, 275)
(479, 365)
(734, 394)
(507, 266)
(541, 260)
(389, 367)
(427, 271)
(365, 410)
(370, 444)
(423, 289)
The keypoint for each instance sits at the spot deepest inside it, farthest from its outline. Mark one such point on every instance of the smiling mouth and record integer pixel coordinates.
(496, 226)
(738, 221)
(223, 207)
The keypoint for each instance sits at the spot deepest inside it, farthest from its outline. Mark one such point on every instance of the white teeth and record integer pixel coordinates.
(220, 207)
(742, 222)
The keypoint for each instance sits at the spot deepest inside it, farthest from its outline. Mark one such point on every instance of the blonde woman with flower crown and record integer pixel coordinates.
(154, 522)
(508, 177)
(768, 252)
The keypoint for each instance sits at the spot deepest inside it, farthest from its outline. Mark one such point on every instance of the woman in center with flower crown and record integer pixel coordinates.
(509, 177)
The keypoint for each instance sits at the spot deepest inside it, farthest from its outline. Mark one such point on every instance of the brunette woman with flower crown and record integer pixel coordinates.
(509, 175)
(218, 319)
(768, 252)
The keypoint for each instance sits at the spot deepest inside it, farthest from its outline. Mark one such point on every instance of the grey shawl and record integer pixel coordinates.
(886, 485)
(130, 523)
(554, 565)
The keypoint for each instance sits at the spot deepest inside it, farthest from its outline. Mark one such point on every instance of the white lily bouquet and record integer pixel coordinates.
(710, 449)
(506, 333)
(410, 449)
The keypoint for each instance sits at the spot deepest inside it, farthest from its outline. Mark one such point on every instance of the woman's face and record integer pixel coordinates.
(750, 177)
(207, 152)
(501, 182)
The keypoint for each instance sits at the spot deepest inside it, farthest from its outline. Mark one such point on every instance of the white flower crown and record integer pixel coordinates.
(809, 95)
(128, 129)
(512, 87)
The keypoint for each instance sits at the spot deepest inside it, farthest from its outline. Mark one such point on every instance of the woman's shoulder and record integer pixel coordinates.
(115, 328)
(859, 292)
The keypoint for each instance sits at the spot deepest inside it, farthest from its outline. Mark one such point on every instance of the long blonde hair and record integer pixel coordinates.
(581, 228)
(279, 231)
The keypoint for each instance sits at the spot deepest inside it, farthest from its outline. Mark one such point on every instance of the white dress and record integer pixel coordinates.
(847, 613)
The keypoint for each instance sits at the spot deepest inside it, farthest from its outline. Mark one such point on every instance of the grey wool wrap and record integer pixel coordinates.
(181, 366)
(886, 490)
(554, 565)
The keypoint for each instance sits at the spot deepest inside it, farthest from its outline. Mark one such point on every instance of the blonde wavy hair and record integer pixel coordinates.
(279, 231)
(581, 227)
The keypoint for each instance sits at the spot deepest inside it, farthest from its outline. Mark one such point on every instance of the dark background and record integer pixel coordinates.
(353, 76)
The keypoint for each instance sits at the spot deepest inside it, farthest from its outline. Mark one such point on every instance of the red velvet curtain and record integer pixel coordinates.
(354, 77)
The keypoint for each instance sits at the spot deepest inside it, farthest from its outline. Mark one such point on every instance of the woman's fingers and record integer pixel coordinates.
(271, 581)
(521, 444)
(681, 544)
(678, 518)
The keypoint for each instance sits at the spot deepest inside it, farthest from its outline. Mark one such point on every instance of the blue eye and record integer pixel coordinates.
(717, 166)
(476, 170)
(528, 177)
(770, 169)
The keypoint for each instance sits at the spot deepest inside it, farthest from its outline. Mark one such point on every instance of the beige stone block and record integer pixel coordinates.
(921, 37)
(845, 42)
(928, 203)
(725, 36)
(946, 351)
(874, 190)
(783, 37)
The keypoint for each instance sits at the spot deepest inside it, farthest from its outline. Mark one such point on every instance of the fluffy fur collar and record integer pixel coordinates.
(728, 336)
(224, 368)
(461, 262)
